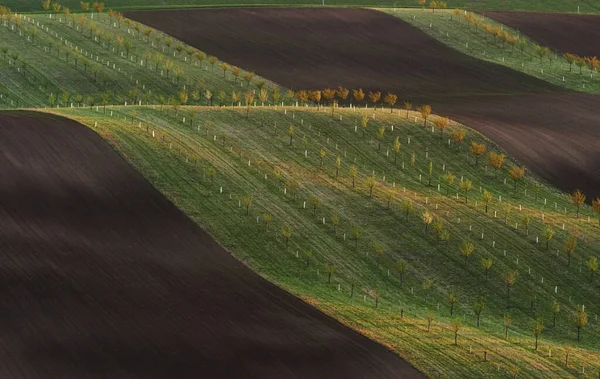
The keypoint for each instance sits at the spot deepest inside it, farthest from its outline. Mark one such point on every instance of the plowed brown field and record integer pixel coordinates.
(550, 131)
(102, 277)
(567, 33)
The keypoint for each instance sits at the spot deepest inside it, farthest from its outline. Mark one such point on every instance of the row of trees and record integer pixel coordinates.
(157, 61)
(497, 34)
(330, 267)
(328, 95)
(433, 4)
(516, 172)
(495, 160)
(56, 7)
(592, 63)
(478, 306)
(467, 248)
(512, 40)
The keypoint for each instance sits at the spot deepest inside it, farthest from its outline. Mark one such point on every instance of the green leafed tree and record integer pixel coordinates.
(538, 327)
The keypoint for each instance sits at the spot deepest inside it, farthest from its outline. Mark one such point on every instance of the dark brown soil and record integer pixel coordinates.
(567, 33)
(102, 277)
(317, 48)
(554, 135)
(551, 131)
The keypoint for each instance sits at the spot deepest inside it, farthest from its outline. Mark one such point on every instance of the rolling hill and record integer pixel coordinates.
(379, 218)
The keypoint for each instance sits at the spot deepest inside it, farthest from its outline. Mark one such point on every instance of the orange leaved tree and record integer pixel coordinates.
(441, 123)
(390, 99)
(374, 98)
(516, 173)
(495, 160)
(578, 198)
(425, 111)
(477, 149)
(358, 95)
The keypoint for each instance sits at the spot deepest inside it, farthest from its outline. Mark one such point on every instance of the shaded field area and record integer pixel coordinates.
(303, 48)
(103, 277)
(567, 33)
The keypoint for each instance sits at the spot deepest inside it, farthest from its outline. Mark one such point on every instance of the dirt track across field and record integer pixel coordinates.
(566, 33)
(547, 129)
(102, 277)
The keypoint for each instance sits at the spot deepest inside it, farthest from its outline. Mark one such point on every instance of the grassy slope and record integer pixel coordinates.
(179, 165)
(266, 148)
(588, 6)
(46, 73)
(462, 36)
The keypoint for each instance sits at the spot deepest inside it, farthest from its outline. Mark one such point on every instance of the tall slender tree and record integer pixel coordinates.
(486, 263)
(456, 325)
(516, 173)
(390, 99)
(451, 299)
(441, 123)
(400, 268)
(580, 320)
(578, 198)
(486, 198)
(466, 185)
(330, 270)
(570, 246)
(548, 234)
(396, 148)
(495, 160)
(458, 135)
(478, 307)
(425, 111)
(380, 135)
(353, 172)
(374, 98)
(342, 93)
(466, 249)
(477, 149)
(286, 232)
(371, 182)
(358, 95)
(407, 206)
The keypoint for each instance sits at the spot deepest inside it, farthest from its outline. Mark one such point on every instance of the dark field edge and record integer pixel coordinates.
(590, 4)
(563, 32)
(276, 294)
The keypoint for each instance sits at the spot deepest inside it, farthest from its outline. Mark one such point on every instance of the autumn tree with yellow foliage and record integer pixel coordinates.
(516, 173)
(578, 198)
(495, 160)
(477, 149)
(425, 111)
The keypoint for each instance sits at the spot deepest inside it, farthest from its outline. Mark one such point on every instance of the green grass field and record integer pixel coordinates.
(48, 61)
(208, 165)
(460, 35)
(586, 6)
(66, 56)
